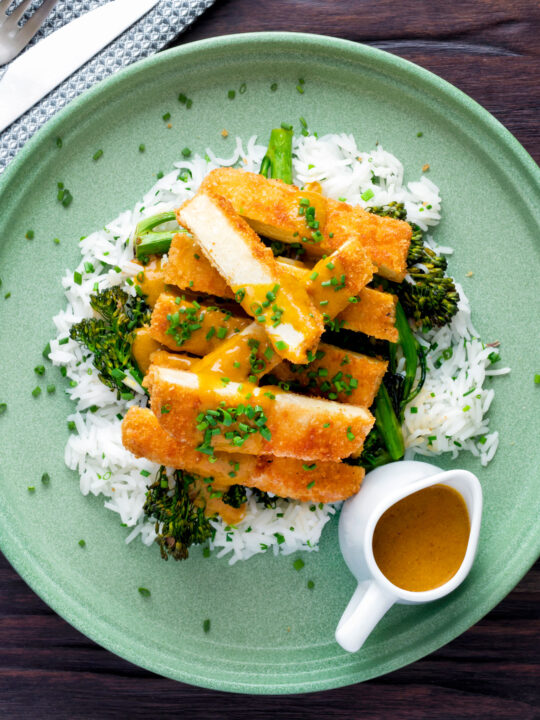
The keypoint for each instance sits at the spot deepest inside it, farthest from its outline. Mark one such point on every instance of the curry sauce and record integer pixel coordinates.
(420, 542)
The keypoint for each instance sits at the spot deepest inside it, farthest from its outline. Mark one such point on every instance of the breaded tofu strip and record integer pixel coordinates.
(339, 277)
(187, 267)
(211, 414)
(286, 477)
(281, 212)
(189, 326)
(275, 300)
(177, 361)
(373, 314)
(337, 374)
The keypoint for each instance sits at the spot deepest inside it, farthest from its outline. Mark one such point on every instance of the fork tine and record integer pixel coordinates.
(17, 14)
(4, 5)
(32, 25)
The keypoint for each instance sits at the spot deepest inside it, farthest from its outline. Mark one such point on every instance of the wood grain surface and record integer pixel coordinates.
(490, 49)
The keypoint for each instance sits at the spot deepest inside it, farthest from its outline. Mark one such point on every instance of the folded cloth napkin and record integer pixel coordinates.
(166, 20)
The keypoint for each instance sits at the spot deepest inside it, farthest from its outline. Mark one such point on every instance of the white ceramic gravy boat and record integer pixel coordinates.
(375, 594)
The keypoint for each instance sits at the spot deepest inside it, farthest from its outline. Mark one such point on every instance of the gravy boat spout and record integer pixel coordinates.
(375, 594)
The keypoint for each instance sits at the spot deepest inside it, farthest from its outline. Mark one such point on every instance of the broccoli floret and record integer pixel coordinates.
(110, 336)
(432, 300)
(179, 522)
(269, 501)
(235, 496)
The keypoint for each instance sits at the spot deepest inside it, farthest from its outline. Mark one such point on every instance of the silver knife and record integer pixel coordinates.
(42, 67)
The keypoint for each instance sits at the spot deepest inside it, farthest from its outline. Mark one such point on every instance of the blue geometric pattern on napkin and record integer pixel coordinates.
(145, 37)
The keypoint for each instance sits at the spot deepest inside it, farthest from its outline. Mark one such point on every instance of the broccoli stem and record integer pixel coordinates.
(408, 345)
(148, 241)
(277, 163)
(388, 424)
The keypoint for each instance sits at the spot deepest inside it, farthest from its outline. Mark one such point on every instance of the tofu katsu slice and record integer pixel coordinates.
(373, 313)
(337, 279)
(274, 299)
(284, 212)
(286, 477)
(337, 374)
(188, 268)
(211, 414)
(186, 325)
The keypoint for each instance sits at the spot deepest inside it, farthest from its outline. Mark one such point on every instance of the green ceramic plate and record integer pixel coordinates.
(269, 634)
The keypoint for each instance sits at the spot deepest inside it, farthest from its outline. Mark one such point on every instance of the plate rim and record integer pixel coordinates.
(71, 610)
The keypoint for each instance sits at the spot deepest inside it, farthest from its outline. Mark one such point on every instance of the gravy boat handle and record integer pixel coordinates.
(366, 607)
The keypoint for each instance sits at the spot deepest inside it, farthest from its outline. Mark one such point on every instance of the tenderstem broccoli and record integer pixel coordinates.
(179, 522)
(277, 163)
(110, 336)
(431, 299)
(149, 241)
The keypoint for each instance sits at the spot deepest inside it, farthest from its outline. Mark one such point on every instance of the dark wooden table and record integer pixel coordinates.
(490, 49)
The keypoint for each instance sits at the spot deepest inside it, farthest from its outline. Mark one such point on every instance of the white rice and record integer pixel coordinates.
(440, 423)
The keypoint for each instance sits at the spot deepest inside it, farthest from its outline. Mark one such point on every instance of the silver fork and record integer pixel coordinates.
(13, 37)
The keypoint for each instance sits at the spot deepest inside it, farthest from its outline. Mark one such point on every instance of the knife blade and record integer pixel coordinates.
(42, 67)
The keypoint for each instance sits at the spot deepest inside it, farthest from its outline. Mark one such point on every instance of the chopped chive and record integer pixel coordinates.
(186, 152)
(36, 392)
(419, 134)
(300, 89)
(59, 142)
(310, 584)
(56, 241)
(310, 485)
(82, 543)
(77, 277)
(39, 370)
(243, 88)
(314, 275)
(45, 478)
(46, 350)
(71, 425)
(367, 195)
(286, 126)
(298, 564)
(142, 147)
(29, 235)
(414, 410)
(466, 408)
(97, 154)
(182, 98)
(206, 625)
(537, 379)
(166, 116)
(231, 94)
(31, 489)
(3, 408)
(281, 345)
(274, 87)
(145, 592)
(206, 552)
